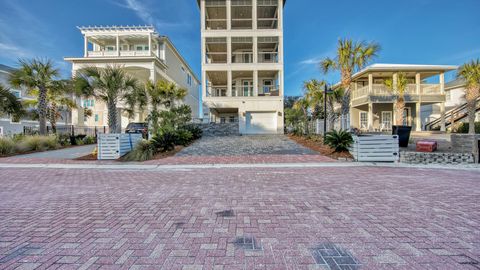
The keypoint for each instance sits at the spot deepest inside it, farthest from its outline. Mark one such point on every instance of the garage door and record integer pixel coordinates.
(261, 123)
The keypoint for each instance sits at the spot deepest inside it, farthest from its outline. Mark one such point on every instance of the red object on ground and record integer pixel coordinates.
(426, 146)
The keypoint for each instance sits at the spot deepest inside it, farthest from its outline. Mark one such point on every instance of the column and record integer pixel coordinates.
(152, 76)
(85, 46)
(280, 49)
(370, 84)
(202, 15)
(280, 14)
(281, 83)
(418, 105)
(229, 83)
(204, 84)
(395, 80)
(229, 50)
(203, 49)
(254, 14)
(370, 116)
(255, 50)
(255, 83)
(150, 44)
(442, 104)
(118, 44)
(229, 14)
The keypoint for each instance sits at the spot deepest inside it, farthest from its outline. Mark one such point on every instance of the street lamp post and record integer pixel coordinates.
(325, 92)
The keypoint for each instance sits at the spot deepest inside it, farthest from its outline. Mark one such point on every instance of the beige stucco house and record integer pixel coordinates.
(242, 63)
(372, 103)
(144, 53)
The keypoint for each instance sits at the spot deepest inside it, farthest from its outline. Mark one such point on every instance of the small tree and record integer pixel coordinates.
(39, 75)
(470, 72)
(302, 104)
(315, 96)
(112, 85)
(398, 87)
(9, 103)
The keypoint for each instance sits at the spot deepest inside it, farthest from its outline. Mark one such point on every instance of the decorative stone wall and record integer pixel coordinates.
(436, 158)
(465, 143)
(219, 130)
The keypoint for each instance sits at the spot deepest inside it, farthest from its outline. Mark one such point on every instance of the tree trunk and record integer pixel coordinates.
(42, 110)
(345, 108)
(471, 97)
(112, 117)
(399, 108)
(53, 117)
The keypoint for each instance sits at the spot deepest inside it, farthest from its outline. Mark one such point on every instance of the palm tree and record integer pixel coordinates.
(302, 104)
(314, 93)
(37, 75)
(470, 72)
(58, 99)
(398, 87)
(111, 85)
(9, 103)
(351, 57)
(162, 94)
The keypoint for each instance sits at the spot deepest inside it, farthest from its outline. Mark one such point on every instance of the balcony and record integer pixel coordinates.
(216, 50)
(120, 53)
(384, 93)
(242, 14)
(268, 57)
(215, 15)
(267, 14)
(242, 57)
(268, 90)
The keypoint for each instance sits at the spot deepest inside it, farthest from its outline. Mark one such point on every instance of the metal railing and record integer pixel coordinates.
(430, 89)
(268, 57)
(216, 58)
(242, 91)
(268, 90)
(218, 91)
(69, 130)
(122, 53)
(242, 57)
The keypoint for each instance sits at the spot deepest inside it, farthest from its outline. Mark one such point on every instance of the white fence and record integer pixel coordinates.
(114, 146)
(376, 148)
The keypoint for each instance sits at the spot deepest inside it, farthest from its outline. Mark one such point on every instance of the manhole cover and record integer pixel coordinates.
(226, 213)
(334, 257)
(247, 243)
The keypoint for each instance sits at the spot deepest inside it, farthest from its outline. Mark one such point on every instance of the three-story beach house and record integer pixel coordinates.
(144, 54)
(242, 63)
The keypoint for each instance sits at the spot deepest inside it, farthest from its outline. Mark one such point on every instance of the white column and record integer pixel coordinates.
(418, 105)
(418, 116)
(255, 50)
(229, 14)
(204, 83)
(280, 49)
(153, 75)
(255, 83)
(370, 116)
(229, 50)
(150, 44)
(370, 84)
(229, 83)
(280, 14)
(204, 50)
(118, 44)
(254, 14)
(395, 80)
(442, 104)
(85, 46)
(202, 14)
(281, 83)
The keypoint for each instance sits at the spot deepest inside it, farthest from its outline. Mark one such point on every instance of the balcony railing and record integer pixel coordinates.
(382, 90)
(216, 58)
(268, 90)
(122, 53)
(268, 57)
(242, 57)
(217, 91)
(242, 91)
(216, 24)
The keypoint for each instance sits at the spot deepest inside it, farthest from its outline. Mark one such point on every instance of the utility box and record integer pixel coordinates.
(114, 146)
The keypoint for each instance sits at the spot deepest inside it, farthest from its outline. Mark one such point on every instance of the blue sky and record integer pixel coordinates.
(409, 31)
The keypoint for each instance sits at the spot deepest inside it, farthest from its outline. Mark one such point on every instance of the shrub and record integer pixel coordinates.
(63, 139)
(144, 150)
(165, 140)
(463, 128)
(196, 131)
(38, 143)
(183, 137)
(7, 146)
(89, 140)
(340, 141)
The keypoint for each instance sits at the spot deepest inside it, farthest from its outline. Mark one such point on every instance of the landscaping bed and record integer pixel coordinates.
(315, 143)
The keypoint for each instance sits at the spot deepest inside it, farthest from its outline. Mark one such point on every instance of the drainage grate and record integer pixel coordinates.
(334, 257)
(226, 213)
(247, 243)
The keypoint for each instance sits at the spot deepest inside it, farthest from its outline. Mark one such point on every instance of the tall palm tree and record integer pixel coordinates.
(314, 94)
(470, 72)
(112, 85)
(398, 88)
(58, 99)
(37, 75)
(351, 57)
(9, 103)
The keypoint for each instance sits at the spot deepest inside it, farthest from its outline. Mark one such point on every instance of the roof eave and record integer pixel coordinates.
(284, 2)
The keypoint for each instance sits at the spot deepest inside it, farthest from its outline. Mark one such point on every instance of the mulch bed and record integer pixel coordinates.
(315, 144)
(157, 156)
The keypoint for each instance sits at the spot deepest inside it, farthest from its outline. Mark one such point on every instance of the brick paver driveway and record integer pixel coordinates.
(245, 145)
(283, 218)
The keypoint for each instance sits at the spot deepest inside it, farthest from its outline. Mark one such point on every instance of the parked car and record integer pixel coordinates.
(137, 128)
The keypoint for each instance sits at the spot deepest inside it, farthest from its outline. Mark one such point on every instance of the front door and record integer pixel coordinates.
(247, 88)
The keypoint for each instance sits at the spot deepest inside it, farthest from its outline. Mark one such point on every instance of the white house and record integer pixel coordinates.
(242, 63)
(144, 53)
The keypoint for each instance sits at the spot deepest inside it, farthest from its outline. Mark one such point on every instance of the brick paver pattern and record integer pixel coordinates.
(316, 218)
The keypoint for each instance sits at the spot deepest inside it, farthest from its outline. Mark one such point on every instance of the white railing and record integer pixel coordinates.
(242, 91)
(268, 57)
(122, 53)
(430, 89)
(411, 89)
(360, 92)
(381, 90)
(242, 57)
(216, 58)
(218, 91)
(268, 90)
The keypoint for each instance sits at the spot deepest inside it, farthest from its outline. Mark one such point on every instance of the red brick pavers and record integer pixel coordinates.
(387, 218)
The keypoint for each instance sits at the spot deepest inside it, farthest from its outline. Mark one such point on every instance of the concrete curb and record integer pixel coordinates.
(135, 167)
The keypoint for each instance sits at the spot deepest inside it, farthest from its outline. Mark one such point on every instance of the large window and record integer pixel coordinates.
(363, 120)
(386, 121)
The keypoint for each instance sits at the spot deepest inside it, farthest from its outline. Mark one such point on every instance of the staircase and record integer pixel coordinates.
(457, 114)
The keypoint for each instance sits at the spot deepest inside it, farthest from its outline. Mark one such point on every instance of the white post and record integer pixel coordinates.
(442, 104)
(255, 50)
(229, 14)
(370, 84)
(202, 15)
(85, 46)
(280, 14)
(395, 80)
(281, 83)
(255, 83)
(149, 44)
(418, 83)
(204, 83)
(418, 105)
(370, 116)
(118, 44)
(254, 14)
(229, 83)
(229, 50)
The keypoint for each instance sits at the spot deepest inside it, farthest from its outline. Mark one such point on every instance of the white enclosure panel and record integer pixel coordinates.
(379, 148)
(114, 146)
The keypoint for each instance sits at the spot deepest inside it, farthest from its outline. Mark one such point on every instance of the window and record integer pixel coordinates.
(125, 47)
(386, 121)
(267, 86)
(231, 119)
(88, 103)
(96, 118)
(222, 120)
(110, 48)
(363, 120)
(141, 47)
(17, 93)
(189, 79)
